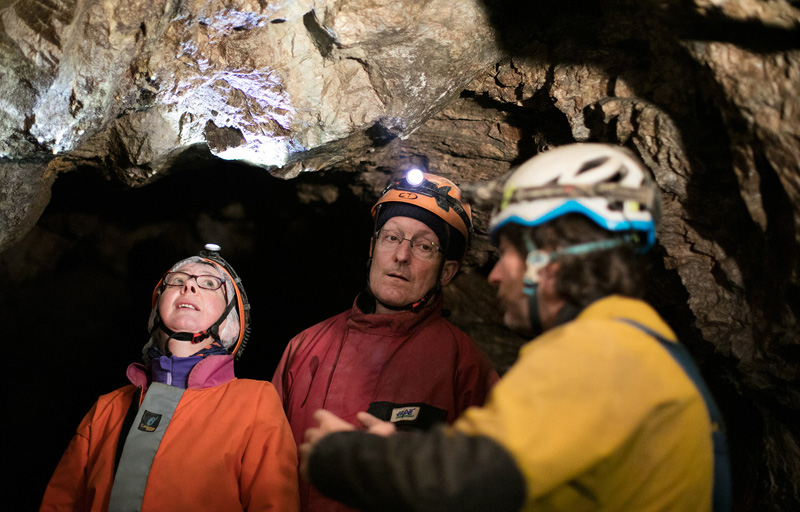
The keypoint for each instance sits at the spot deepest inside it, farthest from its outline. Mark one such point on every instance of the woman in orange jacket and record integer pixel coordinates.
(186, 434)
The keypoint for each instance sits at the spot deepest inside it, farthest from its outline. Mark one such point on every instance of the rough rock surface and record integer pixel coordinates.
(127, 87)
(706, 92)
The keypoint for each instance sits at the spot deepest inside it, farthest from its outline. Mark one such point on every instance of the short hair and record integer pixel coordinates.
(583, 278)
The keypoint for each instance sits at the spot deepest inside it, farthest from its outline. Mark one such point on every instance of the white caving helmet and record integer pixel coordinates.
(603, 182)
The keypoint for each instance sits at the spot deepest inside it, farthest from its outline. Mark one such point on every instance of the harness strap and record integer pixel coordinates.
(722, 468)
(126, 426)
(141, 446)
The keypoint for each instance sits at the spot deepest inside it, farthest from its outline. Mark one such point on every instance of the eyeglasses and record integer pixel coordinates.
(205, 282)
(420, 248)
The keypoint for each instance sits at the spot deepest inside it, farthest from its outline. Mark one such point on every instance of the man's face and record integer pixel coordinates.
(396, 276)
(507, 276)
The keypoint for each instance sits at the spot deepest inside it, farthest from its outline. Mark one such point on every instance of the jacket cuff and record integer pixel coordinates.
(436, 471)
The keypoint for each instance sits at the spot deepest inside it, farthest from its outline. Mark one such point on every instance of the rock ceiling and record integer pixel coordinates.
(707, 92)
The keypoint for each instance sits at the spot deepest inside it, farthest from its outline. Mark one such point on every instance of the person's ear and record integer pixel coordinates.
(449, 271)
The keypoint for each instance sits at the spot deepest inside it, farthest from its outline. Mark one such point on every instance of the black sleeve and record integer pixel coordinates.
(417, 471)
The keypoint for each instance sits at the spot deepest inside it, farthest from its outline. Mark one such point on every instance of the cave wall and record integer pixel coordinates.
(125, 113)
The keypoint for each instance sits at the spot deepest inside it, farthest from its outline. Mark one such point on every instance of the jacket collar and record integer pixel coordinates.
(209, 372)
(400, 323)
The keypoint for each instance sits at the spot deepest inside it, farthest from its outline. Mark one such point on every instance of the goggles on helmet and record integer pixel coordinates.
(610, 191)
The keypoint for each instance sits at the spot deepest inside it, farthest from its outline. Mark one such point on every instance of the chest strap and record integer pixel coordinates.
(722, 466)
(141, 445)
(126, 426)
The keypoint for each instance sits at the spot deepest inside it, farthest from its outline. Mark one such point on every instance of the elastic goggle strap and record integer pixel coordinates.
(610, 191)
(537, 259)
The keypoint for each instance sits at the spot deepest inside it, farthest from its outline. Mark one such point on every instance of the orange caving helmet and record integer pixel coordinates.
(435, 194)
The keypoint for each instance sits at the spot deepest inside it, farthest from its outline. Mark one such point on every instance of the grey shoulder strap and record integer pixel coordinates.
(141, 446)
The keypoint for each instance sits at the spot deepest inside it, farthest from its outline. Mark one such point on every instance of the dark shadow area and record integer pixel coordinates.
(520, 22)
(77, 290)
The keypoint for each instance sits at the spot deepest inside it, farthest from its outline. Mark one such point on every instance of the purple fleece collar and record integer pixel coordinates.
(173, 370)
(207, 373)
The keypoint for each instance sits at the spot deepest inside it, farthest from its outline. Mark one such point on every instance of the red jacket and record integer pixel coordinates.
(398, 362)
(228, 447)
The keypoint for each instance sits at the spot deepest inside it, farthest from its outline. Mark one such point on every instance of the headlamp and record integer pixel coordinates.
(414, 181)
(414, 177)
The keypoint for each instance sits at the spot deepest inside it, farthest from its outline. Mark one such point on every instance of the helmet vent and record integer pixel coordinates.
(618, 176)
(604, 166)
(592, 164)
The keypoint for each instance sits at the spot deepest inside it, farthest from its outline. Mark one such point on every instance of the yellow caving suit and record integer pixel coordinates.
(595, 415)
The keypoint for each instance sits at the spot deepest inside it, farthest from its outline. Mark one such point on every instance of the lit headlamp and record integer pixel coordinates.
(414, 182)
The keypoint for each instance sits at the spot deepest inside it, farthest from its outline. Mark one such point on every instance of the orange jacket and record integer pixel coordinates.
(228, 447)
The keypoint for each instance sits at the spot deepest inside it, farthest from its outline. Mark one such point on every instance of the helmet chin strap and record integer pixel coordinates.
(193, 337)
(533, 307)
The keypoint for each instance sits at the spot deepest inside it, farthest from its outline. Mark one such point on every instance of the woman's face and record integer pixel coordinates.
(190, 308)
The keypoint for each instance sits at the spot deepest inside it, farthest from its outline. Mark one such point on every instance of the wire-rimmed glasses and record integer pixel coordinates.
(205, 282)
(421, 248)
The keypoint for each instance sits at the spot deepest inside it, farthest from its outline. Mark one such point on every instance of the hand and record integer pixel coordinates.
(328, 423)
(376, 426)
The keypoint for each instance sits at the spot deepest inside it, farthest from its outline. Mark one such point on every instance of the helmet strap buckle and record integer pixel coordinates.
(534, 262)
(198, 337)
